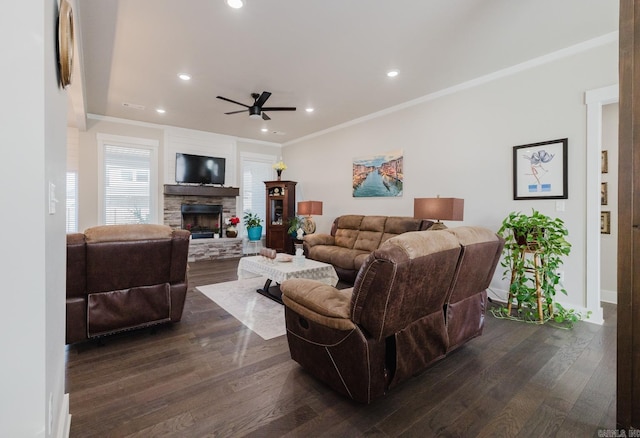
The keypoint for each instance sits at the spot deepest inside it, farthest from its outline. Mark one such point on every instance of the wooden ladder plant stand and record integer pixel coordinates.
(537, 261)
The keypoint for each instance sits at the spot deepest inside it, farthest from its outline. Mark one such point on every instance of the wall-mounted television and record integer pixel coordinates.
(198, 169)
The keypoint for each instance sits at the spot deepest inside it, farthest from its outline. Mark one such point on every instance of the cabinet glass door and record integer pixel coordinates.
(277, 209)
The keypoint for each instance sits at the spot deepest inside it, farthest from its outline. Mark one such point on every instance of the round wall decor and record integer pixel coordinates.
(65, 43)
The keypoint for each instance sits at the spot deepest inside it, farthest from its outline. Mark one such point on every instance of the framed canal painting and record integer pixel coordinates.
(540, 170)
(378, 175)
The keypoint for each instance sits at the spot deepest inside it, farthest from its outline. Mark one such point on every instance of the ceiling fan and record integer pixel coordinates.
(256, 110)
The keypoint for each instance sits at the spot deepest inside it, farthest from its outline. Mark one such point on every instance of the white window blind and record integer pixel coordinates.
(254, 173)
(127, 185)
(72, 202)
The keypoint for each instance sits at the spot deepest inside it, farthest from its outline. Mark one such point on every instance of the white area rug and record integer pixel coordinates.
(263, 316)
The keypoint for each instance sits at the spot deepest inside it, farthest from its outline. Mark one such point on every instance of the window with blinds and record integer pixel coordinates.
(127, 183)
(255, 171)
(72, 202)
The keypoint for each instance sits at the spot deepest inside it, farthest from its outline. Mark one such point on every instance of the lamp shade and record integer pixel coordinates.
(451, 209)
(308, 208)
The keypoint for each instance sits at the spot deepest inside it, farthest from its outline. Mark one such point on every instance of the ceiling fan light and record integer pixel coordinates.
(254, 113)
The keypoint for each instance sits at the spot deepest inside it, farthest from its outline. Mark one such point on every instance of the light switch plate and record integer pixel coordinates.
(52, 198)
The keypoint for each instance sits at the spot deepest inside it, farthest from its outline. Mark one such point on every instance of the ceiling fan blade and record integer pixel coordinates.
(280, 108)
(232, 101)
(265, 117)
(236, 112)
(263, 98)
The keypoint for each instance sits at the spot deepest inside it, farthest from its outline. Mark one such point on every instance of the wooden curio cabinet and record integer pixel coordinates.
(281, 205)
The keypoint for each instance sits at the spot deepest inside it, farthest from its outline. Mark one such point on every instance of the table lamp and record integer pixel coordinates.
(450, 209)
(308, 208)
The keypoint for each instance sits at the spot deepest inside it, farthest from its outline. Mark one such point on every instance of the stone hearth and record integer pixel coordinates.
(203, 249)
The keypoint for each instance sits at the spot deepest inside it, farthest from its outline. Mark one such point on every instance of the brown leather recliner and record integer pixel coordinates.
(122, 277)
(417, 297)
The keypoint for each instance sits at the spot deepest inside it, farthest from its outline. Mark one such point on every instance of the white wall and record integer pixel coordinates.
(33, 132)
(460, 145)
(609, 242)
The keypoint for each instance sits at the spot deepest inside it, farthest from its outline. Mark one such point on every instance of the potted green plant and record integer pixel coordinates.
(295, 223)
(534, 251)
(253, 224)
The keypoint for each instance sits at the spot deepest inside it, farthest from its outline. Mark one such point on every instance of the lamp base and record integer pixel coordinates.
(309, 225)
(437, 226)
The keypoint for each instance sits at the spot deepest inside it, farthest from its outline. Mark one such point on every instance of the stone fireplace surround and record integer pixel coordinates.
(203, 249)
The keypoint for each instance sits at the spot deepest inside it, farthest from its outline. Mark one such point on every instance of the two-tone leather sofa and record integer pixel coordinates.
(354, 237)
(415, 299)
(123, 277)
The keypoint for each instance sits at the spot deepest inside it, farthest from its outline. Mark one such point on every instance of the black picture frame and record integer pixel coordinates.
(540, 170)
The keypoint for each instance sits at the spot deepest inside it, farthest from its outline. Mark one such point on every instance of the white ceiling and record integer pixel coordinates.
(332, 55)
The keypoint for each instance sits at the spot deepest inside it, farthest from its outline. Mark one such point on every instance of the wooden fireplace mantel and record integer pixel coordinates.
(188, 190)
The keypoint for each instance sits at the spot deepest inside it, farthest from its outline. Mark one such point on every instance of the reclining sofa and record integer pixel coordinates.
(123, 277)
(415, 299)
(354, 237)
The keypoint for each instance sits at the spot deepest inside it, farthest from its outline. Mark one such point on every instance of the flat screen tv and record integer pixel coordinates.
(197, 169)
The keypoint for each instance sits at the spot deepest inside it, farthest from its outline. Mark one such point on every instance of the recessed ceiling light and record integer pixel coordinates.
(184, 76)
(160, 111)
(309, 110)
(392, 73)
(235, 4)
(264, 130)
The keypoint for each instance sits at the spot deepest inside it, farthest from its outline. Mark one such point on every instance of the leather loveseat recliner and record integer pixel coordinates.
(123, 277)
(352, 239)
(416, 298)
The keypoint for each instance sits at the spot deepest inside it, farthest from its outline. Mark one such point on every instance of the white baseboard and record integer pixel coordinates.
(609, 296)
(64, 419)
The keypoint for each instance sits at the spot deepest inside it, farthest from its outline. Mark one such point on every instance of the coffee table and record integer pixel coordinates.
(279, 271)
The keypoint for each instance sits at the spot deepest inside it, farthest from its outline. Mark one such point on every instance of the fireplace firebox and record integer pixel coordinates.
(204, 221)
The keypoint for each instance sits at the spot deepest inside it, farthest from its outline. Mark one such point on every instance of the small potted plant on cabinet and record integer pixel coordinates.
(253, 224)
(535, 246)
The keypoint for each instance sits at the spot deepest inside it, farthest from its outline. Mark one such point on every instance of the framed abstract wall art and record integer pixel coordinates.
(540, 170)
(378, 175)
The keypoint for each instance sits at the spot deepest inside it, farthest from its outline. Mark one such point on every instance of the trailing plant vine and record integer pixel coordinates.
(538, 236)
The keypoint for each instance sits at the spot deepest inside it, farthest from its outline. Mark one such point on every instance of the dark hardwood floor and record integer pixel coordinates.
(211, 376)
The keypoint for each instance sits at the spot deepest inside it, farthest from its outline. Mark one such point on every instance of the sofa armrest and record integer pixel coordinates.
(311, 240)
(319, 302)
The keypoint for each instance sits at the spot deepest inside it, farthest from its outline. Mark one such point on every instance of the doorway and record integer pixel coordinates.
(595, 100)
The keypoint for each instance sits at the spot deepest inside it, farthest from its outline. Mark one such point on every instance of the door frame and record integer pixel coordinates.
(595, 100)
